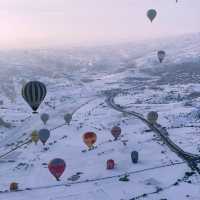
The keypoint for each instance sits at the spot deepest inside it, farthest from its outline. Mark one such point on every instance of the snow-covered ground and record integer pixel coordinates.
(78, 81)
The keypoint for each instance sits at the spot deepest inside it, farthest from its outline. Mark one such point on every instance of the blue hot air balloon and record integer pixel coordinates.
(44, 135)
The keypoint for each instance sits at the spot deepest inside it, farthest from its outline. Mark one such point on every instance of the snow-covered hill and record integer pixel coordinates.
(78, 81)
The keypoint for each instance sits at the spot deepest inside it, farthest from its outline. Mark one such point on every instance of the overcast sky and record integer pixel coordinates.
(42, 23)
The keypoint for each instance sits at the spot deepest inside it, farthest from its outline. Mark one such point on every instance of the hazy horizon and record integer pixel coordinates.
(61, 23)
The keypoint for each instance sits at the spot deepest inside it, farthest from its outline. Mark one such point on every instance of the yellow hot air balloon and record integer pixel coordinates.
(35, 137)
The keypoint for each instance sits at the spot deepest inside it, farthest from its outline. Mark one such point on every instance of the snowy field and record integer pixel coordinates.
(78, 81)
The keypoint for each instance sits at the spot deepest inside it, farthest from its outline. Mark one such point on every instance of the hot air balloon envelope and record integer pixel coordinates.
(44, 117)
(14, 186)
(116, 131)
(34, 93)
(89, 138)
(152, 117)
(57, 167)
(161, 55)
(110, 164)
(34, 137)
(134, 156)
(151, 14)
(44, 135)
(68, 118)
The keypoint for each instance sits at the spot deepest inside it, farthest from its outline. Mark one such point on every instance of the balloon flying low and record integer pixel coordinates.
(89, 138)
(34, 93)
(152, 117)
(14, 186)
(68, 118)
(35, 137)
(44, 135)
(44, 117)
(116, 131)
(151, 14)
(110, 164)
(57, 167)
(134, 156)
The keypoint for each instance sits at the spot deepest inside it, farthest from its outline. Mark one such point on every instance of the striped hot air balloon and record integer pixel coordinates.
(34, 93)
(152, 117)
(57, 167)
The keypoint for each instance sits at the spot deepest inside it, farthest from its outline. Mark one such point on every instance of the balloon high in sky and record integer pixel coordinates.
(161, 55)
(27, 23)
(151, 14)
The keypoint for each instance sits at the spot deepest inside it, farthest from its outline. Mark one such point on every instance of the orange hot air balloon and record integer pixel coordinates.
(89, 138)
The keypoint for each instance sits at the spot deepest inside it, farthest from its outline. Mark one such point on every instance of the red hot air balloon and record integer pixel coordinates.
(110, 164)
(116, 131)
(57, 167)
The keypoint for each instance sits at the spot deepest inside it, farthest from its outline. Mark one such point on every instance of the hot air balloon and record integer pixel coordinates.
(34, 93)
(44, 135)
(152, 117)
(151, 14)
(68, 118)
(14, 187)
(57, 167)
(89, 138)
(161, 55)
(110, 164)
(44, 117)
(116, 131)
(35, 137)
(134, 156)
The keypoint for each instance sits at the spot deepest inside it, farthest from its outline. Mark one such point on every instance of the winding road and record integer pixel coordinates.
(189, 158)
